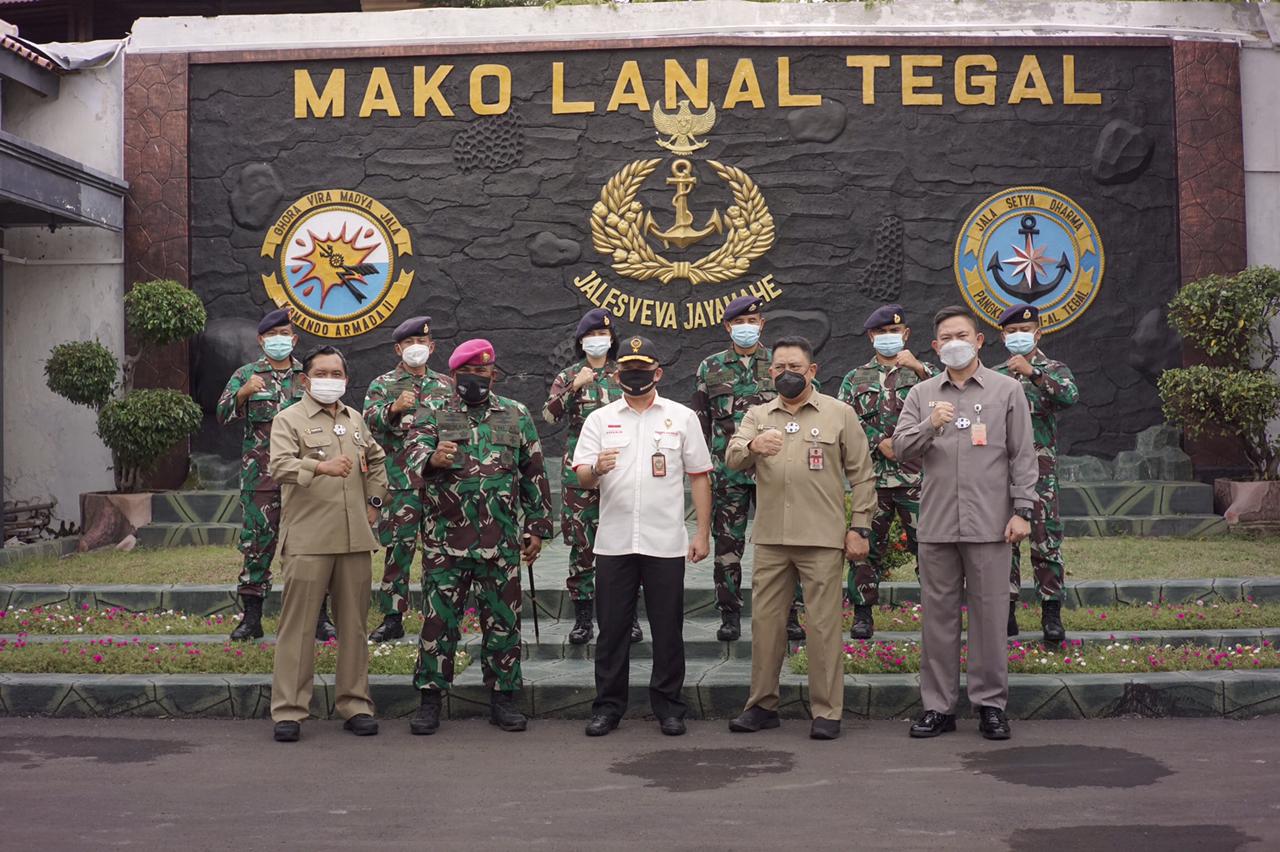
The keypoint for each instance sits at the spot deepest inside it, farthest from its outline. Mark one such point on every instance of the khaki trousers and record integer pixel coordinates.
(820, 571)
(952, 575)
(346, 578)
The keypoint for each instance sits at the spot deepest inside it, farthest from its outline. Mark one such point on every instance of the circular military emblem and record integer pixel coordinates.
(1029, 244)
(336, 260)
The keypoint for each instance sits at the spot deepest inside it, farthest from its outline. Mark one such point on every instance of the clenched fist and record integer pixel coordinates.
(406, 401)
(444, 454)
(256, 384)
(1020, 365)
(607, 461)
(768, 443)
(585, 376)
(943, 413)
(340, 467)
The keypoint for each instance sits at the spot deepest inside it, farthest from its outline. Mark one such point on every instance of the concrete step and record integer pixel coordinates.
(188, 535)
(1172, 526)
(196, 507)
(1141, 499)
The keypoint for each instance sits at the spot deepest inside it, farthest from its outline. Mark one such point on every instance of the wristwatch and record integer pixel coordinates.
(865, 532)
(1025, 514)
(375, 502)
(1036, 373)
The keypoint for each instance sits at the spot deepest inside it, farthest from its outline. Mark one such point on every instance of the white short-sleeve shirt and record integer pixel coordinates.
(640, 512)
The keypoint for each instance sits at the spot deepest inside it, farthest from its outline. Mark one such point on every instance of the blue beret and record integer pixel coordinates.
(885, 315)
(412, 327)
(742, 306)
(593, 320)
(1019, 313)
(279, 316)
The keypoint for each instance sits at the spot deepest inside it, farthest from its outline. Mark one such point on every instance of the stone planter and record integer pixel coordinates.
(1248, 505)
(107, 518)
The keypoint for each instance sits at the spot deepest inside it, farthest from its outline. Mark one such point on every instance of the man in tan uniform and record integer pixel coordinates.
(803, 446)
(333, 483)
(971, 428)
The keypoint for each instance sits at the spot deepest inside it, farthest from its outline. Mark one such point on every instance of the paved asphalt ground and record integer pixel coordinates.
(1131, 785)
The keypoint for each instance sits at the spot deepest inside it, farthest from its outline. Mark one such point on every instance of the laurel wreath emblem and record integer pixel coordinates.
(617, 229)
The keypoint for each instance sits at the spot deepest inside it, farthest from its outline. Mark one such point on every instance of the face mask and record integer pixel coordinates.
(327, 391)
(957, 354)
(473, 389)
(415, 355)
(637, 382)
(1020, 342)
(790, 384)
(887, 345)
(278, 347)
(596, 346)
(745, 334)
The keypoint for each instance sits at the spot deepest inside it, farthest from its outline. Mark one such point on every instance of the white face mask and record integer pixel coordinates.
(327, 391)
(416, 354)
(596, 346)
(957, 354)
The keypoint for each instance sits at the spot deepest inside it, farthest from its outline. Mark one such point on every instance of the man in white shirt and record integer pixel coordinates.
(637, 451)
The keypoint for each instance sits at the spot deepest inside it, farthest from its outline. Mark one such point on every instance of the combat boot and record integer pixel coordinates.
(503, 712)
(583, 629)
(864, 625)
(1051, 622)
(795, 632)
(427, 719)
(250, 626)
(730, 626)
(392, 627)
(324, 625)
(1013, 629)
(637, 635)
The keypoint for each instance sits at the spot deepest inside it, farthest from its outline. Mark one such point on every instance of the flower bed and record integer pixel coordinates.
(1220, 615)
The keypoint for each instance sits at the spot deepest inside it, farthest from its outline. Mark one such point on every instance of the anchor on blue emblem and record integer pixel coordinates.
(1029, 263)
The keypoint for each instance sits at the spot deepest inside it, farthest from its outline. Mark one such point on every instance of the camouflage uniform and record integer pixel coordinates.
(259, 493)
(402, 518)
(473, 532)
(877, 394)
(726, 387)
(1055, 392)
(580, 507)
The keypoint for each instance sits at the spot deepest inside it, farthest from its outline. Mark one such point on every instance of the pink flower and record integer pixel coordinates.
(97, 658)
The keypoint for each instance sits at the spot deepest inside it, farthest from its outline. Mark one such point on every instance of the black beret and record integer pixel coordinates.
(885, 315)
(1019, 313)
(593, 320)
(280, 316)
(742, 306)
(638, 349)
(412, 327)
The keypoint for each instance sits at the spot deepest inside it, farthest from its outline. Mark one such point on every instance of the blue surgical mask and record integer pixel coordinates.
(596, 346)
(888, 345)
(745, 335)
(278, 347)
(1020, 342)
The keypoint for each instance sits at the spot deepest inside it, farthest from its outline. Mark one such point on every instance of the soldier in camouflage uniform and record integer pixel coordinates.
(258, 392)
(877, 391)
(727, 384)
(486, 472)
(576, 391)
(1050, 388)
(395, 409)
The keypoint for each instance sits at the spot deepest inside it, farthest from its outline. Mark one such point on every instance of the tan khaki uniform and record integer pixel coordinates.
(326, 545)
(799, 532)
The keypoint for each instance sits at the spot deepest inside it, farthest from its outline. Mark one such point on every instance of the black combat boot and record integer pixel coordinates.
(1051, 622)
(795, 632)
(730, 626)
(1013, 629)
(324, 625)
(250, 626)
(864, 625)
(427, 719)
(392, 627)
(503, 712)
(583, 629)
(637, 635)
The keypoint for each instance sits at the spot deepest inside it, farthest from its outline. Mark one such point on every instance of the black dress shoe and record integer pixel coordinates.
(933, 724)
(795, 632)
(1013, 629)
(730, 629)
(864, 625)
(601, 725)
(993, 723)
(824, 729)
(1051, 622)
(672, 726)
(637, 635)
(754, 719)
(362, 725)
(392, 627)
(288, 732)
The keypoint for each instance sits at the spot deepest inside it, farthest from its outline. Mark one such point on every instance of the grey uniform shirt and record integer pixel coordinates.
(969, 492)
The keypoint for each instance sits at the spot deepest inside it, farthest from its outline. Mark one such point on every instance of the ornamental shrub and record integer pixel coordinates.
(82, 371)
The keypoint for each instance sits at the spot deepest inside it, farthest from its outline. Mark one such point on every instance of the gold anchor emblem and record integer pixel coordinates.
(682, 234)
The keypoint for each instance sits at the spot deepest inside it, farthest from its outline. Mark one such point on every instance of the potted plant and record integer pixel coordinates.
(138, 426)
(1235, 394)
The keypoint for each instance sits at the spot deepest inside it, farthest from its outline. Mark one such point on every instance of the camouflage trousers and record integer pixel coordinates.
(445, 583)
(865, 579)
(258, 534)
(730, 505)
(579, 518)
(1046, 545)
(398, 532)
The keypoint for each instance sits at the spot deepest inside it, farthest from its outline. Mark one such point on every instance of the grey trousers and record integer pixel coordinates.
(952, 575)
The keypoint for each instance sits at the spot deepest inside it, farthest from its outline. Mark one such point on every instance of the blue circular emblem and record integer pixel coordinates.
(1029, 244)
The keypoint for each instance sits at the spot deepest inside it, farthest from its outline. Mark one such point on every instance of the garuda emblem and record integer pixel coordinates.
(621, 227)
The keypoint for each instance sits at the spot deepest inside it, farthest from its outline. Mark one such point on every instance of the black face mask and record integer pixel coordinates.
(473, 389)
(637, 382)
(790, 384)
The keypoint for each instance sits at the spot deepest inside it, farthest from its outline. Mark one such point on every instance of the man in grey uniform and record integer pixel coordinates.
(971, 429)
